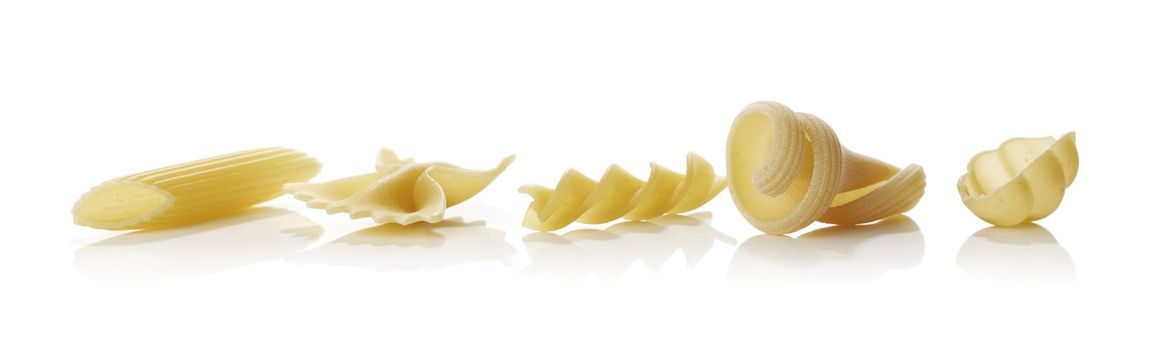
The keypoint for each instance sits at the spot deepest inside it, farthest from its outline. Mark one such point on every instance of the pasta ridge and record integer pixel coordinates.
(787, 170)
(194, 191)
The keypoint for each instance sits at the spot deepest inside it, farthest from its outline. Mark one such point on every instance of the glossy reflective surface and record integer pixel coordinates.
(90, 90)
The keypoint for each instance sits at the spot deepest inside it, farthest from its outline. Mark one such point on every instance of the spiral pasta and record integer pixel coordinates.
(1021, 181)
(401, 191)
(194, 191)
(788, 169)
(618, 194)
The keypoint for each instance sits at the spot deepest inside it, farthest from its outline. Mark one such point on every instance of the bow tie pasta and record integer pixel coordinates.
(400, 191)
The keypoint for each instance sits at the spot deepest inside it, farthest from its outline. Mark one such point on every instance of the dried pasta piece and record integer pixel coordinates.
(1021, 181)
(401, 191)
(618, 194)
(788, 169)
(192, 192)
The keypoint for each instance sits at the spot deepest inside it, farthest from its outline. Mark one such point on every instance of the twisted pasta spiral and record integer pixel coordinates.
(618, 194)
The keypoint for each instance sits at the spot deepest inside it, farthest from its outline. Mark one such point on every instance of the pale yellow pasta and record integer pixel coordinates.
(191, 192)
(1021, 181)
(400, 191)
(788, 169)
(618, 194)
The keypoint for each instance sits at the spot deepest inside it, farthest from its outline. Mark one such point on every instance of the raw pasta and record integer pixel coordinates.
(621, 195)
(1021, 181)
(195, 191)
(401, 191)
(788, 169)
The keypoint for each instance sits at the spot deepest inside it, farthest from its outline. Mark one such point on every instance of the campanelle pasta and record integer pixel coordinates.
(400, 191)
(618, 194)
(1023, 180)
(788, 169)
(192, 192)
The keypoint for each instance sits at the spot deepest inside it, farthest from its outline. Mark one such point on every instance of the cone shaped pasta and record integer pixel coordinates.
(192, 192)
(1021, 181)
(788, 169)
(620, 195)
(401, 191)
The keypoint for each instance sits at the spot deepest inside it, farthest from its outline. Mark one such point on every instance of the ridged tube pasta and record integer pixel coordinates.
(788, 169)
(1021, 181)
(401, 191)
(192, 192)
(618, 194)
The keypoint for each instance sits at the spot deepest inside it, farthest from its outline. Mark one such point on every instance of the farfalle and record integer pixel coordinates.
(621, 195)
(401, 191)
(1023, 180)
(788, 169)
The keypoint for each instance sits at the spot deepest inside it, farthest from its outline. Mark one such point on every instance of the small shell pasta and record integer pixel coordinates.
(1021, 181)
(618, 194)
(194, 191)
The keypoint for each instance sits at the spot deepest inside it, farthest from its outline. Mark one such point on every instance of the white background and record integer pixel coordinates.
(90, 90)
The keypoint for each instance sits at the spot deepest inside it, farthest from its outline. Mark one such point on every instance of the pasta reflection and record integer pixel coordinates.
(609, 253)
(1024, 254)
(419, 246)
(831, 254)
(252, 236)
